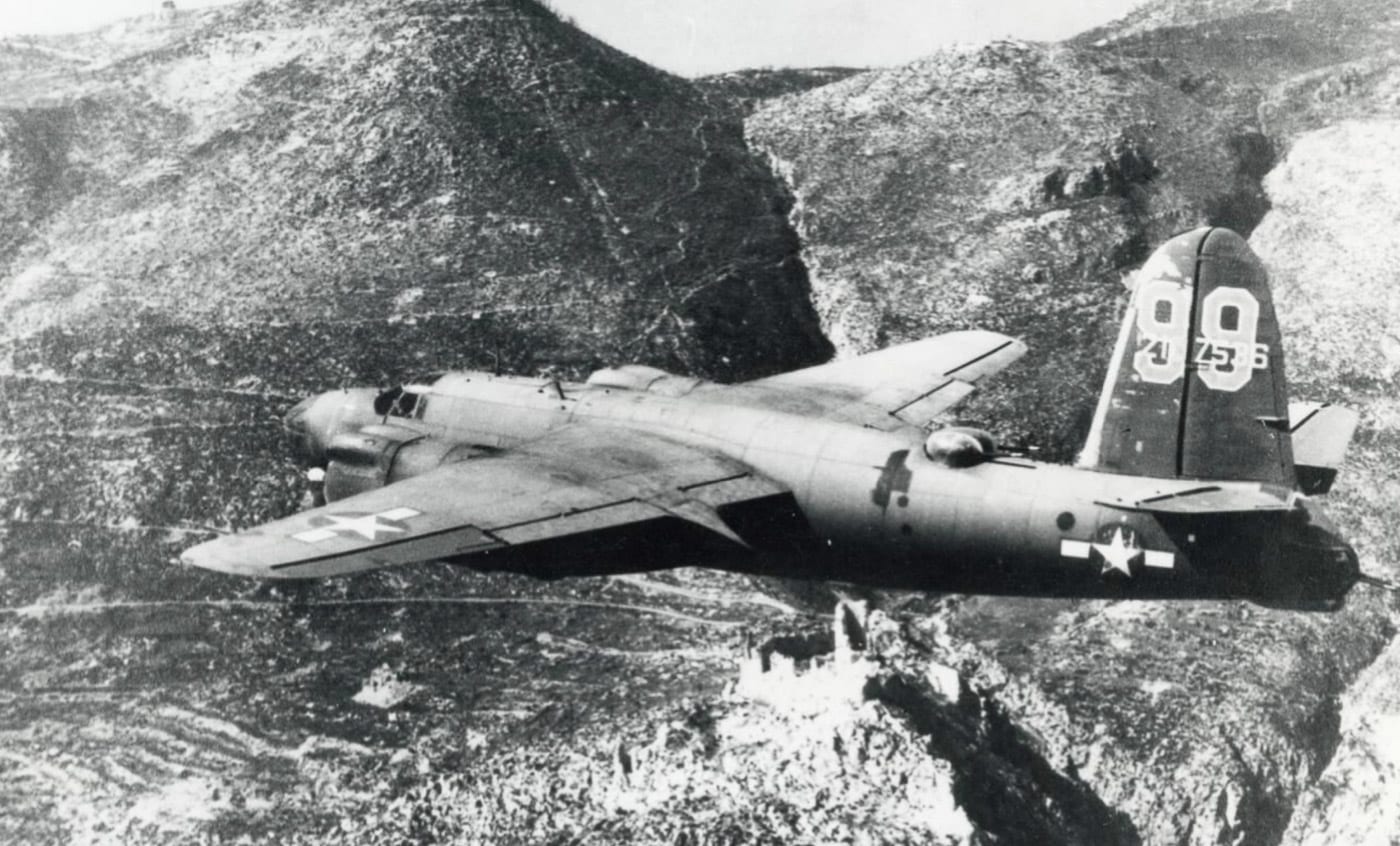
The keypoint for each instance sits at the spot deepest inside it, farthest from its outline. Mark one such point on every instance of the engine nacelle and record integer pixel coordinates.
(379, 455)
(960, 446)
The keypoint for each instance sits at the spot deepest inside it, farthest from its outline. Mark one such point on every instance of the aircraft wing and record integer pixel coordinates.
(1227, 498)
(575, 481)
(908, 384)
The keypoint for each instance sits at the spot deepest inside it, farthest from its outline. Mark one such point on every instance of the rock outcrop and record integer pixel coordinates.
(1357, 798)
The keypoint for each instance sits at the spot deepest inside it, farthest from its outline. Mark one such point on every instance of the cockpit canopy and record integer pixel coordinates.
(960, 446)
(408, 400)
(639, 377)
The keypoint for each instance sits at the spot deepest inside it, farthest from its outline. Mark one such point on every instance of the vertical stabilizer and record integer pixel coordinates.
(1196, 387)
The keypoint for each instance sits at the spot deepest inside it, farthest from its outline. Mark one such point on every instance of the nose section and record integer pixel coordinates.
(314, 422)
(295, 420)
(306, 442)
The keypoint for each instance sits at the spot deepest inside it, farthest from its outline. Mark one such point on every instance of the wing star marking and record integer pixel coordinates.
(366, 526)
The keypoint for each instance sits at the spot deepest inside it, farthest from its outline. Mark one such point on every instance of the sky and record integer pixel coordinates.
(717, 35)
(711, 36)
(18, 17)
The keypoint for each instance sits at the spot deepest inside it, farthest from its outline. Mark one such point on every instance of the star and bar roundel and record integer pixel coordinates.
(358, 525)
(1117, 548)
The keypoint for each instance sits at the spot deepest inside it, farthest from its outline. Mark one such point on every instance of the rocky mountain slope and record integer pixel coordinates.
(257, 169)
(258, 202)
(1261, 42)
(1006, 186)
(204, 218)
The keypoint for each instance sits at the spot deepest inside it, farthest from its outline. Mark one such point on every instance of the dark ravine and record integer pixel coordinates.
(1001, 780)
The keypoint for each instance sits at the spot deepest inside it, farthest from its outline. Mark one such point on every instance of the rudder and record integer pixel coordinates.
(1196, 388)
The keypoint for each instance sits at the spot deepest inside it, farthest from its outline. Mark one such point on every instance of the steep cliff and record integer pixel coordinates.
(1333, 241)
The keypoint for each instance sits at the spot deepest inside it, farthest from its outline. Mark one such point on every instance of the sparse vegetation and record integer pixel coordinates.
(202, 220)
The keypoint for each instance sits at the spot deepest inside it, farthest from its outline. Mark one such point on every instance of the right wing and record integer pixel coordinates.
(908, 384)
(575, 481)
(1187, 497)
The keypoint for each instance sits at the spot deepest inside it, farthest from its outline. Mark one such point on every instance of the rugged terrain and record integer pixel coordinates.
(1331, 237)
(254, 169)
(206, 217)
(1013, 185)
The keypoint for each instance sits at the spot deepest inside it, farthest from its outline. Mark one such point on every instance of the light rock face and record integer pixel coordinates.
(1357, 799)
(1332, 245)
(385, 689)
(810, 743)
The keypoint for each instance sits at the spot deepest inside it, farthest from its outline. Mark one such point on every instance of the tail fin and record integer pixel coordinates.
(1196, 387)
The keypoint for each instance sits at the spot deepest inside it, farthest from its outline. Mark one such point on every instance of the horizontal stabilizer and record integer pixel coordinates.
(1205, 499)
(1321, 434)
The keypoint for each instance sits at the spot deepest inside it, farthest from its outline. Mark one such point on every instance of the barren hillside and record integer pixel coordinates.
(202, 219)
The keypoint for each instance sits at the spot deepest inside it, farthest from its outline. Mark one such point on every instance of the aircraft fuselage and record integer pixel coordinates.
(874, 508)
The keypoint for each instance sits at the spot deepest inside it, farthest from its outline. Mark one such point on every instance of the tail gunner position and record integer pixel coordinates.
(1195, 481)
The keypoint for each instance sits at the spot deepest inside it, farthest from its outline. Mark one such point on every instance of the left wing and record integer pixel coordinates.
(908, 384)
(575, 481)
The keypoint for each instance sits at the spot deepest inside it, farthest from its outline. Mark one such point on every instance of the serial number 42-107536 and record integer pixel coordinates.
(1226, 352)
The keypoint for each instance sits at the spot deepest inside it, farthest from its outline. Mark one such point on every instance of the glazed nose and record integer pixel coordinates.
(297, 424)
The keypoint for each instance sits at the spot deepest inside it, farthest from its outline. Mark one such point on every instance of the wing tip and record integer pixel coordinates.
(215, 556)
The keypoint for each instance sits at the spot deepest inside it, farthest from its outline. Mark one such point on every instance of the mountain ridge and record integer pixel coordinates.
(275, 198)
(243, 158)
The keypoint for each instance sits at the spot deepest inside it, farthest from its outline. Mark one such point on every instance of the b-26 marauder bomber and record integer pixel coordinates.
(1196, 479)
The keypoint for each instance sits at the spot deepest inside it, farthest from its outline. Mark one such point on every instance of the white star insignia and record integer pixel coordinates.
(367, 526)
(1117, 554)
